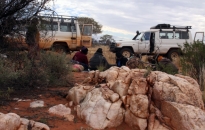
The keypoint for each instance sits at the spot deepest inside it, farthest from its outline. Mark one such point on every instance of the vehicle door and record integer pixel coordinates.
(143, 46)
(199, 37)
(167, 41)
(86, 38)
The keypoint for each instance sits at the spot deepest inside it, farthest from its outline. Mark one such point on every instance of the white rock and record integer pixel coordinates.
(38, 126)
(60, 110)
(158, 102)
(120, 87)
(138, 86)
(175, 89)
(38, 103)
(139, 105)
(114, 97)
(78, 93)
(184, 117)
(70, 103)
(69, 117)
(134, 121)
(24, 124)
(98, 112)
(10, 121)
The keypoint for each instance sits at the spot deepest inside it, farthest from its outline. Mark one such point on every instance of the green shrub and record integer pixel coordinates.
(168, 68)
(50, 69)
(193, 62)
(5, 94)
(57, 67)
(101, 67)
(7, 74)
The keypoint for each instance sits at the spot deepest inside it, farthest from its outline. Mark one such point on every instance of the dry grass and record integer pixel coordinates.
(108, 55)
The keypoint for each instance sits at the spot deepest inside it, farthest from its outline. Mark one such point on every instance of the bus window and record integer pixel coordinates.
(49, 26)
(87, 30)
(66, 27)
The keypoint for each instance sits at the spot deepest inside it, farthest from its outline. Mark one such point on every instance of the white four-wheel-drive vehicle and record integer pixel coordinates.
(163, 39)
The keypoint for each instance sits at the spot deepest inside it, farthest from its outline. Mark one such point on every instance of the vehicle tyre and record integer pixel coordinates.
(126, 52)
(60, 48)
(174, 54)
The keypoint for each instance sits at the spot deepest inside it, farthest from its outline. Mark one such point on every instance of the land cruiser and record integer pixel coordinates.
(62, 33)
(163, 39)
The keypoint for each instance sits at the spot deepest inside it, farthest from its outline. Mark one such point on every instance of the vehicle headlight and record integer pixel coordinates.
(118, 44)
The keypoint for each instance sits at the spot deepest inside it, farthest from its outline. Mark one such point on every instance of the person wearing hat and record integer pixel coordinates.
(166, 65)
(81, 58)
(98, 60)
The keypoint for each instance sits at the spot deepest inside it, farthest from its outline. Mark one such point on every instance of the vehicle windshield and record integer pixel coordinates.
(139, 36)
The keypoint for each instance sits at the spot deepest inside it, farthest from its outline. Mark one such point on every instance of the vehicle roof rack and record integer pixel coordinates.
(161, 26)
(60, 17)
(168, 26)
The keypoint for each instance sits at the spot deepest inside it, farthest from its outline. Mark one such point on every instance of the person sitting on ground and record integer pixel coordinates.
(165, 65)
(98, 60)
(81, 58)
(120, 60)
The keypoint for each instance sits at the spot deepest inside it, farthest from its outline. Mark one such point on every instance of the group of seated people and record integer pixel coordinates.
(98, 60)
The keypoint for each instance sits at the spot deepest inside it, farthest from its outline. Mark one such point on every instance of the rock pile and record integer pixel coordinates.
(144, 100)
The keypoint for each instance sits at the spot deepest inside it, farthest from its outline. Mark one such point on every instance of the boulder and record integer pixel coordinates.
(183, 116)
(123, 72)
(135, 122)
(12, 121)
(100, 113)
(154, 124)
(78, 93)
(30, 124)
(144, 100)
(139, 105)
(138, 86)
(176, 89)
(114, 97)
(120, 87)
(112, 75)
(60, 110)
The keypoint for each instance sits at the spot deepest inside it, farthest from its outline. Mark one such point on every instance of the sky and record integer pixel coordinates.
(122, 18)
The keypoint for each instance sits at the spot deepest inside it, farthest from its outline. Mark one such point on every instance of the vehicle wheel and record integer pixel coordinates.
(173, 54)
(126, 52)
(60, 49)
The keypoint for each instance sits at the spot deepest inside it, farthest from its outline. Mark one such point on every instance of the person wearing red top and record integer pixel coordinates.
(81, 57)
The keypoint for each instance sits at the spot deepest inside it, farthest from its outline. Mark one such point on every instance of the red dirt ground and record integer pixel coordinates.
(51, 97)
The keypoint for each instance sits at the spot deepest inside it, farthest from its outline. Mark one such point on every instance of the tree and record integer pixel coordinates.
(15, 13)
(96, 26)
(106, 39)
